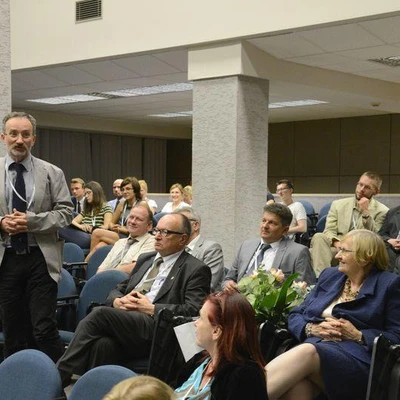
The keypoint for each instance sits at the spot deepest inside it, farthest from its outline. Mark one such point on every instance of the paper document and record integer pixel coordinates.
(186, 336)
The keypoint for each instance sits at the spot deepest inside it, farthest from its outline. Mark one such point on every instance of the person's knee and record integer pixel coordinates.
(319, 239)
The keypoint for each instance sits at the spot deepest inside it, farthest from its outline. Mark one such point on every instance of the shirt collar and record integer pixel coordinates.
(170, 258)
(193, 243)
(273, 245)
(26, 162)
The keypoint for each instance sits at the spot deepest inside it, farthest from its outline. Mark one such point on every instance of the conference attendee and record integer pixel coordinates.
(233, 367)
(337, 324)
(117, 193)
(167, 278)
(77, 186)
(208, 251)
(390, 233)
(285, 189)
(96, 214)
(272, 250)
(188, 195)
(34, 203)
(117, 229)
(142, 387)
(143, 191)
(176, 194)
(361, 211)
(125, 252)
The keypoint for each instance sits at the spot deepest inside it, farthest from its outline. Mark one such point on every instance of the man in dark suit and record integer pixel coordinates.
(390, 233)
(34, 204)
(169, 278)
(77, 186)
(273, 250)
(208, 251)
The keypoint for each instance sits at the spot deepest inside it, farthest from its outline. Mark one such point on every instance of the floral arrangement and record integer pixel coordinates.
(271, 296)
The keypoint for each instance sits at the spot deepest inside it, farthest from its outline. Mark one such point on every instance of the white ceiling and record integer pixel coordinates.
(344, 48)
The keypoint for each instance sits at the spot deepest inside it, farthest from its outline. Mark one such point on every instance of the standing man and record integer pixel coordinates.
(126, 251)
(117, 193)
(34, 204)
(272, 250)
(167, 278)
(205, 250)
(361, 211)
(77, 186)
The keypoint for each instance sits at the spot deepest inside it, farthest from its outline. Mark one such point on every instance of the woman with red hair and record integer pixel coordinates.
(233, 368)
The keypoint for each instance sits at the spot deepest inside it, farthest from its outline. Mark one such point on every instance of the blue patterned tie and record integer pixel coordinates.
(19, 242)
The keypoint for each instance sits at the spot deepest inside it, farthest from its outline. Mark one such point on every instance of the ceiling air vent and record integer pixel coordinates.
(87, 10)
(393, 61)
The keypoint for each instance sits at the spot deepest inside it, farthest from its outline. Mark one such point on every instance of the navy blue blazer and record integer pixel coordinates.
(375, 310)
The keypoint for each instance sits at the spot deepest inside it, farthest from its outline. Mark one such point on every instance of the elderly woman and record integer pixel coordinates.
(337, 323)
(233, 365)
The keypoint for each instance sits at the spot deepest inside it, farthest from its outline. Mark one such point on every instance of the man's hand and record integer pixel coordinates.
(363, 204)
(231, 287)
(395, 243)
(135, 301)
(15, 223)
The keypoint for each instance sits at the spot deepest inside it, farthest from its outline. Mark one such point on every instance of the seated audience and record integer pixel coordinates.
(284, 189)
(125, 252)
(233, 367)
(143, 191)
(96, 214)
(205, 250)
(130, 190)
(272, 250)
(188, 194)
(337, 324)
(142, 387)
(390, 233)
(77, 186)
(117, 193)
(176, 194)
(361, 211)
(123, 329)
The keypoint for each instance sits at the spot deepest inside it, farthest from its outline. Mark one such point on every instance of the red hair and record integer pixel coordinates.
(238, 342)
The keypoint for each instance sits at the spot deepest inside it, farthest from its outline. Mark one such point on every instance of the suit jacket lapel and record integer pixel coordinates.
(171, 276)
(347, 215)
(40, 175)
(3, 204)
(279, 254)
(197, 246)
(139, 274)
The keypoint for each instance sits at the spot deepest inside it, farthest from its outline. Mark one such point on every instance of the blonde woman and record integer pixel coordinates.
(176, 194)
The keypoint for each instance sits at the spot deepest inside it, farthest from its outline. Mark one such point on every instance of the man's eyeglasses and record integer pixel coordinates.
(281, 190)
(345, 250)
(166, 232)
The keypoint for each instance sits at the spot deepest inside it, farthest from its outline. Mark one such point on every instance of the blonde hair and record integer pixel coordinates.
(368, 247)
(188, 193)
(178, 186)
(141, 388)
(143, 183)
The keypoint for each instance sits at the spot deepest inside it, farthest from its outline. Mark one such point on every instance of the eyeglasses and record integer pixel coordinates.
(366, 187)
(281, 190)
(14, 134)
(88, 192)
(126, 189)
(116, 187)
(345, 250)
(166, 232)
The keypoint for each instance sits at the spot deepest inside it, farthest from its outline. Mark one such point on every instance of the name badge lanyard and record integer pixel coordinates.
(28, 205)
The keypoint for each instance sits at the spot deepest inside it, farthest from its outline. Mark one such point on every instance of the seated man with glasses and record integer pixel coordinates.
(361, 211)
(123, 329)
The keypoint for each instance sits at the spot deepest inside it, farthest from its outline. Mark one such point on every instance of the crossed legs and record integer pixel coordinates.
(295, 375)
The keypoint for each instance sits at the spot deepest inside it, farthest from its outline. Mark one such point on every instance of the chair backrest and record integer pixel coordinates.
(308, 206)
(95, 261)
(383, 383)
(324, 209)
(29, 374)
(97, 289)
(321, 224)
(99, 381)
(73, 253)
(66, 285)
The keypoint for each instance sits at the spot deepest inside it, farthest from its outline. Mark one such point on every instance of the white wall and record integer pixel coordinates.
(44, 32)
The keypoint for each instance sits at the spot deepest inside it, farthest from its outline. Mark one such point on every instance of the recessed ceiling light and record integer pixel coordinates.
(296, 103)
(178, 114)
(148, 90)
(76, 98)
(393, 61)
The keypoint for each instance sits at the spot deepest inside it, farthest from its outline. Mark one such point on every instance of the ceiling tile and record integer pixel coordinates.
(145, 65)
(177, 59)
(38, 79)
(371, 52)
(107, 70)
(387, 29)
(340, 38)
(72, 75)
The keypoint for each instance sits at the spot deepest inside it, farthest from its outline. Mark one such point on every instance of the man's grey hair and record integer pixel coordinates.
(191, 211)
(19, 114)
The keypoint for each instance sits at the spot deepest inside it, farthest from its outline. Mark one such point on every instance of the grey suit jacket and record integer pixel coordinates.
(210, 253)
(184, 290)
(52, 210)
(291, 257)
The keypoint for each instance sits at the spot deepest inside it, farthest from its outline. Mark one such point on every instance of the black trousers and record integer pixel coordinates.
(107, 336)
(28, 298)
